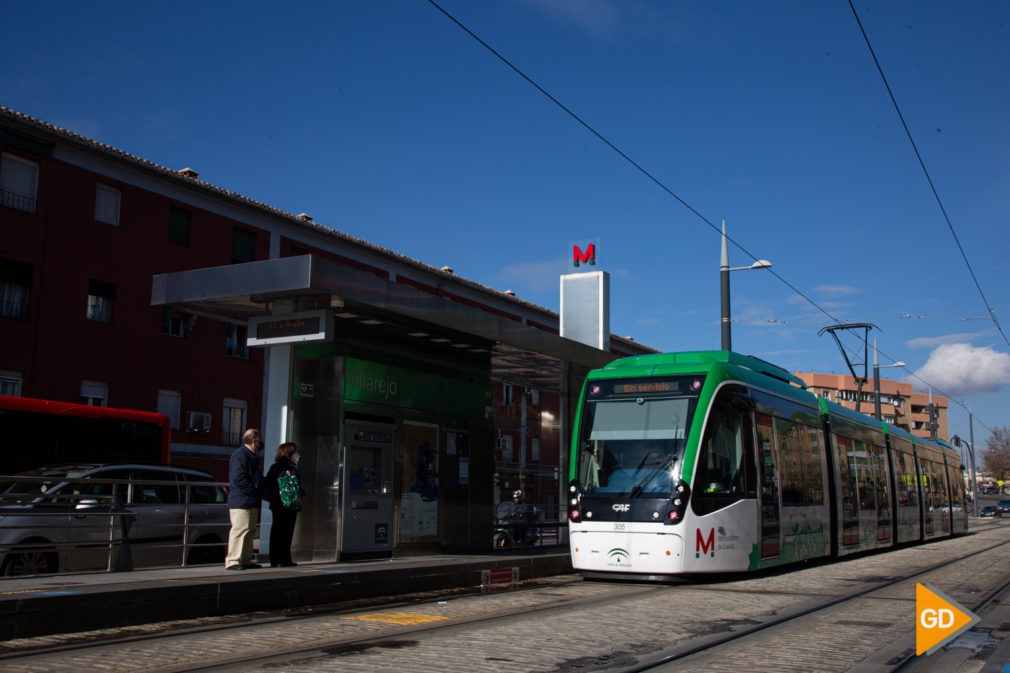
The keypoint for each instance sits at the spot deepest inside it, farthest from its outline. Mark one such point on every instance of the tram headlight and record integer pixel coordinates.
(575, 514)
(678, 504)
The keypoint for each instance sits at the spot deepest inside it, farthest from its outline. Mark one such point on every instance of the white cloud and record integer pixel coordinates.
(530, 276)
(930, 342)
(963, 369)
(838, 289)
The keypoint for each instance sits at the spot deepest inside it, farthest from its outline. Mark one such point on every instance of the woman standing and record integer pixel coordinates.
(284, 516)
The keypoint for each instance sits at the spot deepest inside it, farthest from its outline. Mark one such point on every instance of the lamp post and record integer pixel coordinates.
(876, 379)
(724, 269)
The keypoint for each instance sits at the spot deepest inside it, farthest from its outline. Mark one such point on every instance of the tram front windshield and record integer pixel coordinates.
(633, 434)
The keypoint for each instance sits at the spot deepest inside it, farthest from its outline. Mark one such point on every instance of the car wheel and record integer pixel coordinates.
(206, 555)
(32, 562)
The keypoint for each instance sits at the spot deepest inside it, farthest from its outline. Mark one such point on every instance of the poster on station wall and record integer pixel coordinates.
(419, 488)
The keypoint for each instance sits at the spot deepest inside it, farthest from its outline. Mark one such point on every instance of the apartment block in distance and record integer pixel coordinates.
(899, 404)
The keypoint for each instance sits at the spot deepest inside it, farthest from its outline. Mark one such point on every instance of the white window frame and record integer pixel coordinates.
(10, 383)
(107, 201)
(233, 420)
(95, 393)
(12, 189)
(170, 404)
(100, 306)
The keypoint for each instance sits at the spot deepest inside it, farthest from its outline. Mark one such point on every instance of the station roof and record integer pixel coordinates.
(520, 353)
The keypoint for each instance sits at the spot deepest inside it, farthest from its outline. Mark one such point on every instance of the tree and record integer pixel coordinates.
(997, 453)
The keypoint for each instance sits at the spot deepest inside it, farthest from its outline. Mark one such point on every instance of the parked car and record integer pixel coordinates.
(990, 511)
(62, 518)
(1004, 505)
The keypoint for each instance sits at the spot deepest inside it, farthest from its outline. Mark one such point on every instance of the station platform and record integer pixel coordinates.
(49, 604)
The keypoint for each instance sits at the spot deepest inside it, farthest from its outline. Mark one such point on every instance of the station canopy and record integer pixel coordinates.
(372, 309)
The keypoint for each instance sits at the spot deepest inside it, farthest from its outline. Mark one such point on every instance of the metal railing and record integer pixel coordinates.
(548, 530)
(46, 522)
(17, 201)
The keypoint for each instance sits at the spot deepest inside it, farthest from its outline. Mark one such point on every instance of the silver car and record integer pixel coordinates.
(72, 517)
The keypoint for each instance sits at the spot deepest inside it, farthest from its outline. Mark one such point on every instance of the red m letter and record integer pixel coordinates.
(588, 257)
(703, 546)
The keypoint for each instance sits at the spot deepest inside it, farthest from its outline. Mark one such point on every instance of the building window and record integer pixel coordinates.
(107, 205)
(10, 383)
(178, 226)
(243, 246)
(505, 449)
(176, 323)
(535, 450)
(18, 183)
(100, 298)
(507, 394)
(95, 393)
(170, 404)
(15, 286)
(235, 341)
(233, 421)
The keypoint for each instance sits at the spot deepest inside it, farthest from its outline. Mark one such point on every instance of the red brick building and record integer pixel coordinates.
(84, 228)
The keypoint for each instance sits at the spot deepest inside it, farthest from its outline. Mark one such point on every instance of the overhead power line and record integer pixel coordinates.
(670, 192)
(922, 164)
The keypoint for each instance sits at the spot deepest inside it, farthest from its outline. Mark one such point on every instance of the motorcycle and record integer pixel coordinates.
(516, 528)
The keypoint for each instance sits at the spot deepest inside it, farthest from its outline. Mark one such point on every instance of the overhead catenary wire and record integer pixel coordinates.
(925, 172)
(680, 200)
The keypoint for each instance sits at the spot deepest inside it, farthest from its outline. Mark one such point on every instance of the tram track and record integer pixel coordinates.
(897, 663)
(292, 619)
(313, 641)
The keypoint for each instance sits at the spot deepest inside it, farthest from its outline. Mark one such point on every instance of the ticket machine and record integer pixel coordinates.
(367, 503)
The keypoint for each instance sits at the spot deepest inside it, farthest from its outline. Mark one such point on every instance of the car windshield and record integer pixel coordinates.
(39, 482)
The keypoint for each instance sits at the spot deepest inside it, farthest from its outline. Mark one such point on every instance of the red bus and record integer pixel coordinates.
(36, 433)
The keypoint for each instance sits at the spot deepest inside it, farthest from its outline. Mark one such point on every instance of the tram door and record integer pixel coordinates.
(367, 504)
(771, 529)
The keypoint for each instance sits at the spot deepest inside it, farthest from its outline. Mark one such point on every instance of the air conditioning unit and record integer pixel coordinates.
(197, 421)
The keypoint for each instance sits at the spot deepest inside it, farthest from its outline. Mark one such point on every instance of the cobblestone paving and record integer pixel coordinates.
(588, 626)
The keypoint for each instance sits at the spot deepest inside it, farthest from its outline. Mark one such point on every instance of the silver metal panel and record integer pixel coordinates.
(585, 308)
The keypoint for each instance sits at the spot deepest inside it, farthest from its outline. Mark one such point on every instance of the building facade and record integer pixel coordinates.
(899, 404)
(431, 397)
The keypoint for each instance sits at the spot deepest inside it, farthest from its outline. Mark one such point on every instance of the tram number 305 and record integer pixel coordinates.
(620, 526)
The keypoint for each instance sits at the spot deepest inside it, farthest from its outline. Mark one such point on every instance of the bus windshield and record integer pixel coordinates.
(633, 434)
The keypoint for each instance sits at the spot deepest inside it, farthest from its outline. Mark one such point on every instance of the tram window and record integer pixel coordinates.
(799, 451)
(632, 445)
(724, 472)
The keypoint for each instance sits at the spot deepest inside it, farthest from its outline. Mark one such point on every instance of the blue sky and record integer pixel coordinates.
(385, 120)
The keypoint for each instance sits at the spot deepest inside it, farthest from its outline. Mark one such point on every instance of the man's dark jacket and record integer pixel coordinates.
(246, 480)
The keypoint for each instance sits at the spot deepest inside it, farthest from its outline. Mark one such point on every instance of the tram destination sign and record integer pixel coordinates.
(647, 387)
(274, 330)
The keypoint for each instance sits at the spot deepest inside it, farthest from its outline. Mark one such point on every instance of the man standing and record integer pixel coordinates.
(244, 497)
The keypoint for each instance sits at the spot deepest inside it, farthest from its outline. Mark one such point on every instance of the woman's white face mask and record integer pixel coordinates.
(295, 458)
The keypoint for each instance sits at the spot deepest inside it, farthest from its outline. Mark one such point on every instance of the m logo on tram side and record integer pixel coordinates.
(704, 545)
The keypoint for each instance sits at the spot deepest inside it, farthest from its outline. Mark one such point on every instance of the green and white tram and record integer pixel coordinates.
(715, 462)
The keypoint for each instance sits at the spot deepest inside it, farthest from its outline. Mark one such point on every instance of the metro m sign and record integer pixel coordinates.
(587, 257)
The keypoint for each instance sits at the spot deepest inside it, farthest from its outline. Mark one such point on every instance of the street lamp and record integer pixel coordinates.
(876, 378)
(724, 270)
